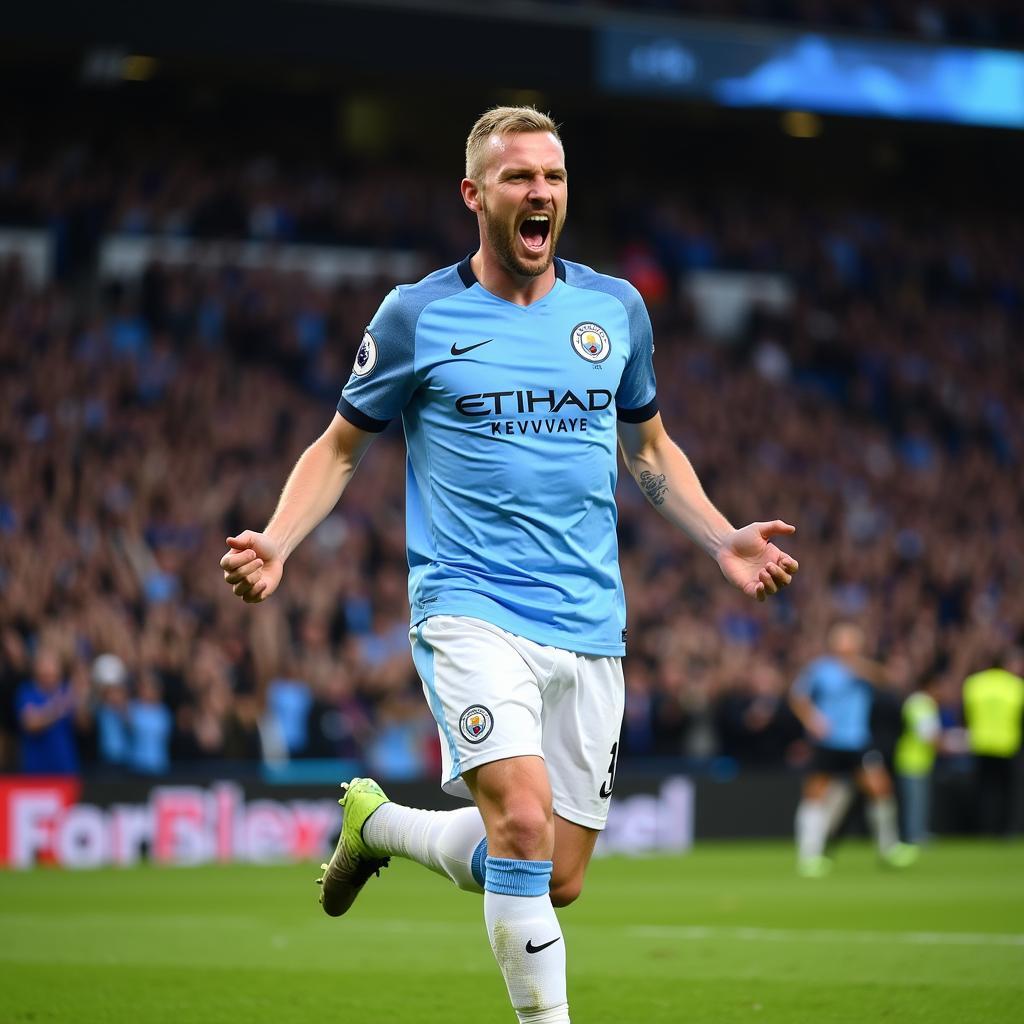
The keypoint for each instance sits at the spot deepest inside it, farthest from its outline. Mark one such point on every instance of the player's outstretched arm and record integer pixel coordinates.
(747, 557)
(254, 563)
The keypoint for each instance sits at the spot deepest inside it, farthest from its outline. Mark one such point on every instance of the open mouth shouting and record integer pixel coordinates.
(534, 231)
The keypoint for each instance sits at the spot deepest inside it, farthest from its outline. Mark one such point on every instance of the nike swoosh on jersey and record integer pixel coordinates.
(469, 348)
(531, 948)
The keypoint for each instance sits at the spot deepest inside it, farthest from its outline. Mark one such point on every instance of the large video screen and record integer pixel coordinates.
(808, 71)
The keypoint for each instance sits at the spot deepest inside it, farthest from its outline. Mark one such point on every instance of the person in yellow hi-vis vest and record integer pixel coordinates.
(915, 758)
(993, 712)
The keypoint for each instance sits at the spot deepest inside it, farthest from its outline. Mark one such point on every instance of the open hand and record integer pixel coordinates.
(751, 562)
(252, 566)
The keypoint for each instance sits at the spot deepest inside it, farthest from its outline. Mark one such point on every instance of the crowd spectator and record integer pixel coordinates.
(133, 729)
(47, 706)
(754, 721)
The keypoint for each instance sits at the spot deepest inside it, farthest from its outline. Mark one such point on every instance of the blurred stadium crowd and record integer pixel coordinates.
(151, 185)
(142, 422)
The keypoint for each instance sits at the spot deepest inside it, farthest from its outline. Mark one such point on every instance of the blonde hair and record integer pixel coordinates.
(502, 121)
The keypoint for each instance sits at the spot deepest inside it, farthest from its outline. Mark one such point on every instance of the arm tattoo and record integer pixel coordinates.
(654, 487)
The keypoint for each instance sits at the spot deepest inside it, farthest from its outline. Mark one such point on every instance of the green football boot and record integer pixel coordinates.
(352, 863)
(901, 855)
(814, 867)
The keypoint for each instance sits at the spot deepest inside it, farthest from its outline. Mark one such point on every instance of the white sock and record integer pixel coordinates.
(447, 842)
(526, 938)
(837, 802)
(811, 828)
(884, 823)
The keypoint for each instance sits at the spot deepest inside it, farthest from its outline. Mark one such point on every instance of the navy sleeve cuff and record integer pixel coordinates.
(360, 419)
(641, 415)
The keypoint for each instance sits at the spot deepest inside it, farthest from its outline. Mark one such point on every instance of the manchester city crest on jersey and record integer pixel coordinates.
(476, 723)
(366, 357)
(591, 342)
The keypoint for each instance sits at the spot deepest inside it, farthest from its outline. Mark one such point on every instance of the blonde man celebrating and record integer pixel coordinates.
(516, 374)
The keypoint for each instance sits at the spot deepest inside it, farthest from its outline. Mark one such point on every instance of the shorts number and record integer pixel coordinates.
(609, 784)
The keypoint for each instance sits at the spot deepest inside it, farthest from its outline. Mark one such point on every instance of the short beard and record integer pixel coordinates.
(503, 245)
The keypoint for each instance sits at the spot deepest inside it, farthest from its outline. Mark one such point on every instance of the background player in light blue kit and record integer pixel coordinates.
(516, 375)
(833, 698)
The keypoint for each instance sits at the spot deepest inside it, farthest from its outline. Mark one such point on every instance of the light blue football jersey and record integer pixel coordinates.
(510, 424)
(843, 698)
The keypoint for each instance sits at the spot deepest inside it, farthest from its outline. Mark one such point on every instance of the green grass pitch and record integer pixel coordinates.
(725, 934)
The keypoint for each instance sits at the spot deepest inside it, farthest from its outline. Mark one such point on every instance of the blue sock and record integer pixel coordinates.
(509, 877)
(478, 865)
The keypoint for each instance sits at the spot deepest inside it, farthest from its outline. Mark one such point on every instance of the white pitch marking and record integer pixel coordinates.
(695, 933)
(698, 932)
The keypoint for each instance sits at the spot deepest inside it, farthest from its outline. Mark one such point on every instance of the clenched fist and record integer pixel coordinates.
(252, 567)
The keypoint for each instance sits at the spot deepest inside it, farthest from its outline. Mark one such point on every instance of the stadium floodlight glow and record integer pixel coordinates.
(815, 73)
(102, 66)
(137, 68)
(801, 124)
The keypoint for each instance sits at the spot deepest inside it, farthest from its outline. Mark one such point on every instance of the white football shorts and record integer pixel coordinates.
(495, 695)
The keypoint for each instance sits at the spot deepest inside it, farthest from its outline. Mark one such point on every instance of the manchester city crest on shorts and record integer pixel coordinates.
(476, 723)
(591, 342)
(366, 357)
